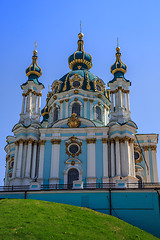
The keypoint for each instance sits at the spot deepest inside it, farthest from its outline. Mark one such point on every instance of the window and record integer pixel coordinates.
(98, 88)
(73, 148)
(55, 118)
(76, 84)
(76, 108)
(98, 113)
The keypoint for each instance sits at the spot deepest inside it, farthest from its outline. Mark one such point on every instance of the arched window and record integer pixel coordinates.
(76, 108)
(98, 113)
(55, 118)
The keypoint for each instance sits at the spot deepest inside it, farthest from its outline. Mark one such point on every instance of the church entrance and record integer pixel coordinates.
(73, 175)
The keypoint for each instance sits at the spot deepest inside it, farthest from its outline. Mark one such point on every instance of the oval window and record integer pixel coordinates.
(98, 88)
(136, 155)
(76, 84)
(73, 148)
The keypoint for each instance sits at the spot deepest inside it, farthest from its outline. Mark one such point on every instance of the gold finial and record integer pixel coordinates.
(118, 48)
(35, 51)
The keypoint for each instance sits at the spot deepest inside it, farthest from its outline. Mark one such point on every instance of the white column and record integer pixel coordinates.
(123, 99)
(66, 100)
(105, 119)
(112, 159)
(120, 96)
(6, 174)
(118, 166)
(85, 107)
(24, 158)
(126, 144)
(61, 108)
(33, 171)
(127, 100)
(116, 100)
(105, 157)
(19, 160)
(122, 152)
(27, 103)
(132, 170)
(55, 159)
(41, 159)
(28, 160)
(91, 109)
(15, 160)
(146, 155)
(154, 164)
(23, 104)
(30, 101)
(91, 157)
(112, 102)
(39, 102)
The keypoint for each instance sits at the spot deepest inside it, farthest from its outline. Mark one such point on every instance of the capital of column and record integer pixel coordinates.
(119, 88)
(61, 101)
(116, 139)
(91, 140)
(85, 99)
(91, 100)
(112, 140)
(126, 138)
(42, 142)
(67, 100)
(145, 148)
(131, 140)
(121, 140)
(39, 94)
(105, 140)
(55, 141)
(30, 140)
(153, 148)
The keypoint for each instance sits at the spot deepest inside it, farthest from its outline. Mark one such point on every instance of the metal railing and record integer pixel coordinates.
(89, 186)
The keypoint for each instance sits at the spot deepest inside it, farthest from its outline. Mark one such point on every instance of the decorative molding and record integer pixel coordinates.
(76, 91)
(69, 142)
(73, 121)
(153, 148)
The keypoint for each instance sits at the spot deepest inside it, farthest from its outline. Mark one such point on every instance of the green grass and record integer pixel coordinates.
(32, 219)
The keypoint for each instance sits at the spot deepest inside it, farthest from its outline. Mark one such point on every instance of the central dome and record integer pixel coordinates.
(80, 59)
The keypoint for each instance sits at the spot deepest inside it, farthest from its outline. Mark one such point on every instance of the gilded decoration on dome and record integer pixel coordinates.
(88, 85)
(76, 81)
(118, 65)
(56, 86)
(73, 146)
(73, 121)
(99, 85)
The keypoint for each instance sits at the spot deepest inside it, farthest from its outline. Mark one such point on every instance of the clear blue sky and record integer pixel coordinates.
(55, 25)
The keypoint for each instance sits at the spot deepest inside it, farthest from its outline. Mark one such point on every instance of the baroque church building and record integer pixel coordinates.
(86, 135)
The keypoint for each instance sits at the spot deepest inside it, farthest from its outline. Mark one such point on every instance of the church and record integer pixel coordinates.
(86, 136)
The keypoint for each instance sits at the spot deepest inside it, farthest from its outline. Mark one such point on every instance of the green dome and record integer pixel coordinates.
(85, 80)
(34, 71)
(80, 59)
(118, 69)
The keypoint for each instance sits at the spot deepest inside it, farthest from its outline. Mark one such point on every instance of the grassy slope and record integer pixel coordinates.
(31, 219)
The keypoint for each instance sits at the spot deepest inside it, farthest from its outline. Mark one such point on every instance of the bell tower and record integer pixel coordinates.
(32, 89)
(120, 109)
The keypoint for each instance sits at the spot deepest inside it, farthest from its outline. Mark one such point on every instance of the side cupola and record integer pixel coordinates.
(32, 92)
(118, 69)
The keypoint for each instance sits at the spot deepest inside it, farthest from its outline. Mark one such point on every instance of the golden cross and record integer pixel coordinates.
(80, 26)
(117, 42)
(35, 45)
